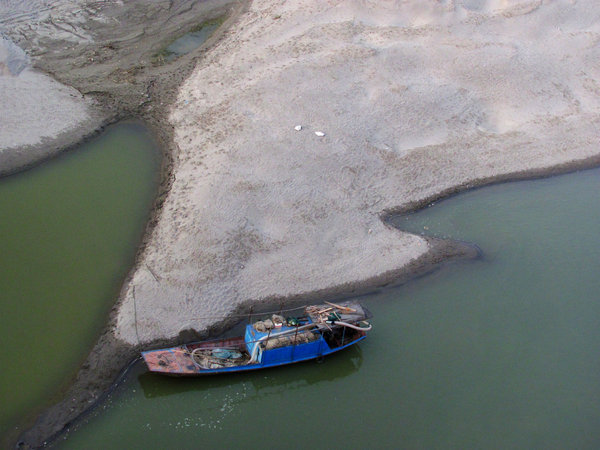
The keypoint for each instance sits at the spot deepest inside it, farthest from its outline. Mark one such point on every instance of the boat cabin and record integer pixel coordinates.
(275, 341)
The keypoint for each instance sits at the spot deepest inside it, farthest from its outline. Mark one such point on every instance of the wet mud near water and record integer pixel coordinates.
(110, 360)
(497, 352)
(110, 53)
(121, 70)
(116, 62)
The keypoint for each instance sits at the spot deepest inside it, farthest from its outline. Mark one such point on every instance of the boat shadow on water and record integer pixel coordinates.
(334, 367)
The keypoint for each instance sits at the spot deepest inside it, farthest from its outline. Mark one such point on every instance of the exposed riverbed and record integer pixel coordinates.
(495, 352)
(69, 66)
(412, 101)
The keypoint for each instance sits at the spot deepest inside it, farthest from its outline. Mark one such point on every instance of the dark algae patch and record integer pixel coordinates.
(498, 351)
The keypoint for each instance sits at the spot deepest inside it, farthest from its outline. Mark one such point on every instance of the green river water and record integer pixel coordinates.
(69, 230)
(499, 352)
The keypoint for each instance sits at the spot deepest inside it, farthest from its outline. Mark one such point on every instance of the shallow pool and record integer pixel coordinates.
(192, 40)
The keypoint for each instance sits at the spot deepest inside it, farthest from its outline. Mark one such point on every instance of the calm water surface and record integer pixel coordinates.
(68, 234)
(498, 352)
(193, 39)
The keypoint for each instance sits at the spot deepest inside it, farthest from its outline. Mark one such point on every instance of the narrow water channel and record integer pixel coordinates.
(501, 352)
(69, 230)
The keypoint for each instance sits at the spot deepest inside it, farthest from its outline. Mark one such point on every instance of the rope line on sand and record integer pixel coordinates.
(220, 317)
(249, 314)
(231, 344)
(135, 317)
(212, 317)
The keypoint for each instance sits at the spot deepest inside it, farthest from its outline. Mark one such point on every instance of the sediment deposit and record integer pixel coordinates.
(39, 115)
(413, 100)
(69, 67)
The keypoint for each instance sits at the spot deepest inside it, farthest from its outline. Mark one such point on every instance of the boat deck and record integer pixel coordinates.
(324, 329)
(178, 360)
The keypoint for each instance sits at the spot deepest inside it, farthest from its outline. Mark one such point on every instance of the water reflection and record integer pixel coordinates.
(501, 353)
(263, 382)
(190, 41)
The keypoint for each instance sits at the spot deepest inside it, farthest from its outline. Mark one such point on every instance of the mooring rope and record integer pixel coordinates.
(135, 317)
(250, 314)
(212, 317)
(223, 316)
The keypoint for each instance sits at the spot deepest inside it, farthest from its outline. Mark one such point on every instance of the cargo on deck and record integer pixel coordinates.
(319, 331)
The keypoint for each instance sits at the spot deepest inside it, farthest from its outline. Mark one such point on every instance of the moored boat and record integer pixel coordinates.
(318, 332)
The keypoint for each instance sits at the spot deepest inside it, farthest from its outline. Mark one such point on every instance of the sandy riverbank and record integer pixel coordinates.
(88, 64)
(416, 101)
(40, 116)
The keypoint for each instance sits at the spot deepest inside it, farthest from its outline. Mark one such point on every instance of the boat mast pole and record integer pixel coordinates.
(295, 341)
(268, 336)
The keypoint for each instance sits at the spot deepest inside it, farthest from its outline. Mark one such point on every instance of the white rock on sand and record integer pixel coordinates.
(417, 97)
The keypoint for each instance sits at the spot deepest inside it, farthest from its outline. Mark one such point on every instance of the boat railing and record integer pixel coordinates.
(318, 318)
(308, 328)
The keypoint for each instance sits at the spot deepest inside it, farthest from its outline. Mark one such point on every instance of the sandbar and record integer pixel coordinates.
(308, 123)
(400, 103)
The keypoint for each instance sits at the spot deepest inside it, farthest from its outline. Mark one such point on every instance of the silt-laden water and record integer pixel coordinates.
(501, 352)
(69, 230)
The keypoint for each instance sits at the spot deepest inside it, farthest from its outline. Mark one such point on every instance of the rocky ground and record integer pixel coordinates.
(413, 101)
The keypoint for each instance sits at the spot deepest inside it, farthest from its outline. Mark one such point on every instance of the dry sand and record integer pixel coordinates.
(416, 100)
(39, 115)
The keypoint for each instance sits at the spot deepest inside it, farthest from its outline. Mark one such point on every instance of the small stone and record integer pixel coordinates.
(298, 127)
(319, 133)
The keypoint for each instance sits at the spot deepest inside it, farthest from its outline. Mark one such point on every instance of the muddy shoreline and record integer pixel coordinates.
(148, 92)
(146, 95)
(110, 357)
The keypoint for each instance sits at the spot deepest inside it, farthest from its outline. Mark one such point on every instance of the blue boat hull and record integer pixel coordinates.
(177, 361)
(277, 341)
